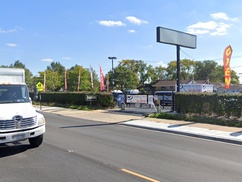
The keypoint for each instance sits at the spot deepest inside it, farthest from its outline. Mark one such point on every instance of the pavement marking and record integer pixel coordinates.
(139, 175)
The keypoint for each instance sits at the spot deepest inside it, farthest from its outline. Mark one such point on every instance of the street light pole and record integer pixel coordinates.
(112, 58)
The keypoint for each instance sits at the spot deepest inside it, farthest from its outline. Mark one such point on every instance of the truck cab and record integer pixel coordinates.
(18, 118)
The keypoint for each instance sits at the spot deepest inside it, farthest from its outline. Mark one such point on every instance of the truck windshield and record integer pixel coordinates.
(13, 94)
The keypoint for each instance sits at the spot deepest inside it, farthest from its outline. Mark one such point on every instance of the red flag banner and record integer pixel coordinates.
(227, 72)
(102, 87)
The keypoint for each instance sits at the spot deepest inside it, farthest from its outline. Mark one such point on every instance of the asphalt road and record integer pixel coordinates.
(81, 150)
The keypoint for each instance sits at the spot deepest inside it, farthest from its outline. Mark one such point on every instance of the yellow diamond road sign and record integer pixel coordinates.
(40, 87)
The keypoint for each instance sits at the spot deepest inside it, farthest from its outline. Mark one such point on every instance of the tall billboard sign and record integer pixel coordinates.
(174, 37)
(180, 39)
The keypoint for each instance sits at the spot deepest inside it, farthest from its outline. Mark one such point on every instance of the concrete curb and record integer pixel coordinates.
(222, 136)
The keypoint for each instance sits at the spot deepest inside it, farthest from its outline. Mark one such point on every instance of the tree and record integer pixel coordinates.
(234, 77)
(124, 78)
(171, 71)
(130, 64)
(186, 69)
(160, 73)
(203, 70)
(142, 70)
(56, 67)
(55, 76)
(73, 76)
(52, 80)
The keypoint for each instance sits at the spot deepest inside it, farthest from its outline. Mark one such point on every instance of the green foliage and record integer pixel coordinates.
(141, 71)
(204, 69)
(77, 99)
(228, 105)
(129, 74)
(78, 73)
(124, 78)
(85, 108)
(165, 115)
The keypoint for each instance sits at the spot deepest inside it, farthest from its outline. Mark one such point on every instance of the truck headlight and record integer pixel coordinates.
(40, 119)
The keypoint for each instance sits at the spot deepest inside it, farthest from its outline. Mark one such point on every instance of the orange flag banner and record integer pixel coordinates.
(227, 72)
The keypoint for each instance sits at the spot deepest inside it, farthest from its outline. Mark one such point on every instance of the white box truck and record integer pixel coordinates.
(196, 88)
(18, 118)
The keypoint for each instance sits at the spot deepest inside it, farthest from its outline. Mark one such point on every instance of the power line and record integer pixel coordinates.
(187, 54)
(211, 59)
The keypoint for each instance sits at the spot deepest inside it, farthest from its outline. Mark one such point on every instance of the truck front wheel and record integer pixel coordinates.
(36, 141)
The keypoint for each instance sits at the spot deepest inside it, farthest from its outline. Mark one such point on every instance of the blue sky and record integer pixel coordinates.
(88, 32)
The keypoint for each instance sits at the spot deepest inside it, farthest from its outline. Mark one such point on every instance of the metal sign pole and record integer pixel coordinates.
(178, 68)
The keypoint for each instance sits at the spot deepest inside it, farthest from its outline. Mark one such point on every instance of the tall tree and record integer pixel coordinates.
(53, 83)
(160, 73)
(56, 67)
(171, 70)
(124, 78)
(187, 69)
(130, 64)
(55, 75)
(142, 70)
(73, 76)
(203, 70)
(218, 75)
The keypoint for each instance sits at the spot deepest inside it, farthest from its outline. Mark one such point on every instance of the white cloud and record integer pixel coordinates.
(15, 29)
(206, 25)
(11, 45)
(7, 31)
(66, 58)
(197, 32)
(110, 23)
(222, 16)
(162, 63)
(221, 29)
(135, 20)
(211, 27)
(47, 60)
(215, 28)
(131, 31)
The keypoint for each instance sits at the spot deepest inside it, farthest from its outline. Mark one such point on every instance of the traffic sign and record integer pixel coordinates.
(40, 86)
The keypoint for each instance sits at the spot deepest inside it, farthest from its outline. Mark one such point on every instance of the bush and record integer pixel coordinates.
(76, 99)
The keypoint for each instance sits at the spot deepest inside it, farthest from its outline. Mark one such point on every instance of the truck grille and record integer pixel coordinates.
(24, 123)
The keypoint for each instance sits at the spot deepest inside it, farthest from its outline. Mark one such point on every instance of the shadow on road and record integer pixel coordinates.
(179, 125)
(235, 134)
(12, 149)
(90, 125)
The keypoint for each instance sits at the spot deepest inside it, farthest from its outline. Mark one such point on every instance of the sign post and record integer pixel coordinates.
(174, 37)
(180, 39)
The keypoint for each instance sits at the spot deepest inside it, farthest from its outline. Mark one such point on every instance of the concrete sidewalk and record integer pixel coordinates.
(216, 132)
